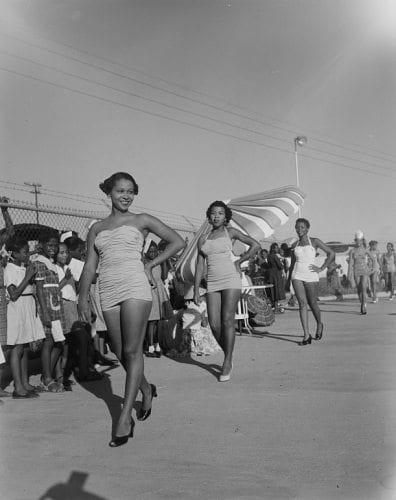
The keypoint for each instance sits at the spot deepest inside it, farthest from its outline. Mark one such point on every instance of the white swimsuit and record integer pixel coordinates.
(305, 257)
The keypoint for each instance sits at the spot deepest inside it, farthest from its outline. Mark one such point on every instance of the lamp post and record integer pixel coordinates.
(301, 140)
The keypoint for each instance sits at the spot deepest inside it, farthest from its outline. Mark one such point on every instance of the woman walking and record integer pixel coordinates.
(389, 267)
(359, 269)
(116, 243)
(305, 276)
(376, 269)
(223, 278)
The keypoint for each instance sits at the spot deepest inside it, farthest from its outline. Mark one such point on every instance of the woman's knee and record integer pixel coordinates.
(132, 352)
(302, 302)
(215, 327)
(228, 322)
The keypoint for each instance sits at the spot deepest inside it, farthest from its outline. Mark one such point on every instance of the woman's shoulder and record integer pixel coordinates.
(315, 241)
(202, 239)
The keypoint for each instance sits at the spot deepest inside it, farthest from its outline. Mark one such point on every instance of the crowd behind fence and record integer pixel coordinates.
(30, 219)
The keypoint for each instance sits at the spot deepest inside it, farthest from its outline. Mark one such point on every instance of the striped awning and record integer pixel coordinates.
(257, 215)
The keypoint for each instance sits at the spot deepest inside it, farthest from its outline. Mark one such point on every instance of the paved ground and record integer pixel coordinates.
(310, 423)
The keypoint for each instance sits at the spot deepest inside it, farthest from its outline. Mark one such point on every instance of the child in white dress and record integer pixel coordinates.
(23, 323)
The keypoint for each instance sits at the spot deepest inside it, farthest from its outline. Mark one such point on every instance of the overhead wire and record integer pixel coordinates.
(182, 96)
(159, 115)
(177, 108)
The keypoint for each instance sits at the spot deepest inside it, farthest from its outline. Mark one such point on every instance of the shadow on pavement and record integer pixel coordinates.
(357, 312)
(72, 489)
(279, 336)
(213, 369)
(102, 389)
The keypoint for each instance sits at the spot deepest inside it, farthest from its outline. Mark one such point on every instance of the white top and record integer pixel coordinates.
(13, 275)
(76, 267)
(68, 291)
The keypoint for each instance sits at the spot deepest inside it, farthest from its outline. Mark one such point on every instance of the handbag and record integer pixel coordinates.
(261, 312)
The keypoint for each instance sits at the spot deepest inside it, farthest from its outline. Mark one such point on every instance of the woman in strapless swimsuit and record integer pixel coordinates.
(223, 277)
(305, 276)
(116, 243)
(360, 265)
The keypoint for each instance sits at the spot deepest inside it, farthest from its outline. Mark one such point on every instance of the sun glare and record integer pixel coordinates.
(382, 18)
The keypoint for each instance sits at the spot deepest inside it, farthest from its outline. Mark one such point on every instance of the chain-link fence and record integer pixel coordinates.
(29, 220)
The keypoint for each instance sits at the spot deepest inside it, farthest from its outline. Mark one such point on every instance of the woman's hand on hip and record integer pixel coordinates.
(148, 269)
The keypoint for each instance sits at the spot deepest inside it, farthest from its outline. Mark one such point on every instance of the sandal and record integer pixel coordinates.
(52, 386)
(37, 389)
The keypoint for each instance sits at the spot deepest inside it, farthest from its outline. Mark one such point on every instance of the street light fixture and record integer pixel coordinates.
(301, 140)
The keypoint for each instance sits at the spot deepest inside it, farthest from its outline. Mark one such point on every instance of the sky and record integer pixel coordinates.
(202, 99)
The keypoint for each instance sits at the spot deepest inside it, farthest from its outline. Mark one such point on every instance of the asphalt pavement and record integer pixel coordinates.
(311, 423)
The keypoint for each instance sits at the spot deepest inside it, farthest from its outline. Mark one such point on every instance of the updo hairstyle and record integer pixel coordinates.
(303, 221)
(227, 209)
(107, 185)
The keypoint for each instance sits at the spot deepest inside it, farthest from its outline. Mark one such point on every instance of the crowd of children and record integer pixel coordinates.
(38, 312)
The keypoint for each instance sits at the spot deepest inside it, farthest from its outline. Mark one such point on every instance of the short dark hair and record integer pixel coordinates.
(217, 203)
(74, 243)
(107, 185)
(304, 221)
(47, 235)
(16, 244)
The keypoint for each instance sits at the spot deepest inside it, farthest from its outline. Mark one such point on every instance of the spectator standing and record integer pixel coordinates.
(389, 267)
(275, 278)
(23, 324)
(376, 269)
(4, 237)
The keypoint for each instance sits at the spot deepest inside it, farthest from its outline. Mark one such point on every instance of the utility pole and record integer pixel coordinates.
(36, 192)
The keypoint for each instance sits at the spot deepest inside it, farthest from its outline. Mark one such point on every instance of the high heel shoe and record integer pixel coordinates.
(144, 414)
(363, 309)
(120, 440)
(306, 341)
(225, 378)
(319, 333)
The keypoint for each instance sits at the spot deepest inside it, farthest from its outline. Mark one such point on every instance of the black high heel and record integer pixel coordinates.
(120, 440)
(144, 414)
(306, 341)
(319, 333)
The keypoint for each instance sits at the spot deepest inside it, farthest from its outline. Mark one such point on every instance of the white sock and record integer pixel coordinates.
(151, 348)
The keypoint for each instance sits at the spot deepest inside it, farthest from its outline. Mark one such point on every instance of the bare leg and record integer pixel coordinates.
(300, 292)
(56, 361)
(213, 303)
(16, 370)
(24, 369)
(361, 285)
(150, 336)
(46, 350)
(126, 326)
(373, 283)
(229, 302)
(311, 290)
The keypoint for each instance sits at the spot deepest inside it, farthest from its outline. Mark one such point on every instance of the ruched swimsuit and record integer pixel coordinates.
(121, 274)
(305, 257)
(222, 273)
(359, 258)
